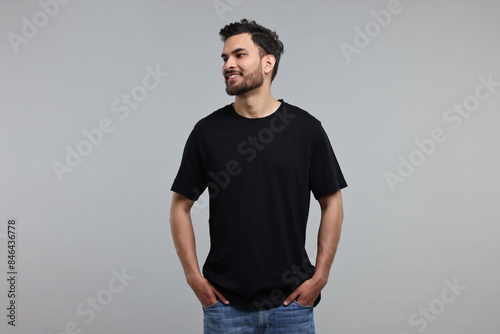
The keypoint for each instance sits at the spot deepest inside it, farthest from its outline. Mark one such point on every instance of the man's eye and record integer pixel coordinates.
(224, 59)
(240, 54)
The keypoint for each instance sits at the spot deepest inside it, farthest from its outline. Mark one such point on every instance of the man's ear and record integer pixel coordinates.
(268, 66)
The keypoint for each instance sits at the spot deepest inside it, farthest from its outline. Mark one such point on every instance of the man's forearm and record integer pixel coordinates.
(328, 235)
(328, 240)
(185, 245)
(184, 241)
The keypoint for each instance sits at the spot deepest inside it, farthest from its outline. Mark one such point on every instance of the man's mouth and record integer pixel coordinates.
(232, 77)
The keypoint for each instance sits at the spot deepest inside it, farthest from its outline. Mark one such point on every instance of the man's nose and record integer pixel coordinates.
(229, 64)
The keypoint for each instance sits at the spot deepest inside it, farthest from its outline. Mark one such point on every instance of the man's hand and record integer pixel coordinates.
(307, 292)
(205, 291)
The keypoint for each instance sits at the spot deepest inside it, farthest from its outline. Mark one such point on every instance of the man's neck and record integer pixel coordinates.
(255, 104)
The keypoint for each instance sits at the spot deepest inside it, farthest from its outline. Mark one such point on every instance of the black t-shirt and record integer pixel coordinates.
(259, 173)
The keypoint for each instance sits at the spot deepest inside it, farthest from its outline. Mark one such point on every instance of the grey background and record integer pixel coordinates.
(111, 212)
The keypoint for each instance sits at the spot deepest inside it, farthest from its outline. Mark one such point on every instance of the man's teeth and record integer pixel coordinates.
(234, 75)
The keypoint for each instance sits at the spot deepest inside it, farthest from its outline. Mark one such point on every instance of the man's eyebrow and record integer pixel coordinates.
(234, 51)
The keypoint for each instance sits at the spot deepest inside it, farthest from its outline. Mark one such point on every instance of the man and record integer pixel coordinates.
(260, 158)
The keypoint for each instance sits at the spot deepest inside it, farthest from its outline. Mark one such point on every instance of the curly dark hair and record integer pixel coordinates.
(266, 39)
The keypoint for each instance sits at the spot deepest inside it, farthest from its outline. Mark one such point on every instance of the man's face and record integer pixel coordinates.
(242, 68)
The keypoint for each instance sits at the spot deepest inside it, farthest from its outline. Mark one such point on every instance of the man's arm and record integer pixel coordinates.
(181, 227)
(332, 215)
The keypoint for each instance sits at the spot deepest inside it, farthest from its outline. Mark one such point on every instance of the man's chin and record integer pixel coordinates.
(231, 90)
(234, 91)
(240, 89)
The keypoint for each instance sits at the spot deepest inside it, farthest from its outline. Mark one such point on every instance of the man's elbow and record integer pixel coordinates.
(181, 205)
(331, 201)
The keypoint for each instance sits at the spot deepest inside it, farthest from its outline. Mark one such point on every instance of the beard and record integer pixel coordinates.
(250, 81)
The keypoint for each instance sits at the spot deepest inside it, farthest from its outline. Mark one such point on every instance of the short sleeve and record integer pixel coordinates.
(325, 175)
(191, 178)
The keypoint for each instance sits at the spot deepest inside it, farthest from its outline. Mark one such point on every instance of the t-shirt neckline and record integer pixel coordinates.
(258, 119)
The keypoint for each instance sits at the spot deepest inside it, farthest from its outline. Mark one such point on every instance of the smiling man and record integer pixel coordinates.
(260, 159)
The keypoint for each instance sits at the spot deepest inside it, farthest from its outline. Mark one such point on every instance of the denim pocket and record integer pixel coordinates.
(210, 306)
(303, 306)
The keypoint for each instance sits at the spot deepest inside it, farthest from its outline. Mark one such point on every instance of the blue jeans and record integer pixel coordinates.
(226, 319)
